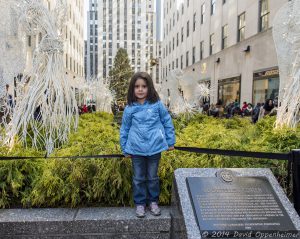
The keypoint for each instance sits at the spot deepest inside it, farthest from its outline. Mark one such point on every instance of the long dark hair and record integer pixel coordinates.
(267, 107)
(152, 94)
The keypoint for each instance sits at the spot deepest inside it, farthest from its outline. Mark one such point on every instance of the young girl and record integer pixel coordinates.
(146, 131)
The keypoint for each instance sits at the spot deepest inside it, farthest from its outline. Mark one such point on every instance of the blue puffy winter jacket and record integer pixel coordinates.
(146, 129)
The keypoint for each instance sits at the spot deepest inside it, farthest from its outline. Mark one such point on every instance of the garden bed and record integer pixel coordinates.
(107, 182)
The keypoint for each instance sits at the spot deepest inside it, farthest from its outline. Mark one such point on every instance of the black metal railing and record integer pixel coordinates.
(293, 169)
(293, 159)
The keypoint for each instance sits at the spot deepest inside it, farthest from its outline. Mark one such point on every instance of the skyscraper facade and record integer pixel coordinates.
(128, 24)
(92, 39)
(228, 44)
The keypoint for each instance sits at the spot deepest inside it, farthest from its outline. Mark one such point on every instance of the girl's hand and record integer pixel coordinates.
(171, 148)
(127, 155)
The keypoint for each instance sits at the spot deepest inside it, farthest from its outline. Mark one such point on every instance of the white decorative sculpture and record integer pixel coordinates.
(194, 91)
(170, 92)
(171, 95)
(286, 33)
(45, 103)
(98, 91)
(202, 92)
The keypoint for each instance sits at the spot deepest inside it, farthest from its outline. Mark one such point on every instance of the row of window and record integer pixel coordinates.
(263, 18)
(212, 7)
(75, 22)
(73, 65)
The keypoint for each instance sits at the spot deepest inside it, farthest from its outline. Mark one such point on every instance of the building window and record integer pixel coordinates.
(67, 61)
(265, 85)
(194, 22)
(182, 34)
(29, 41)
(224, 1)
(264, 15)
(213, 7)
(40, 37)
(181, 62)
(201, 50)
(224, 36)
(229, 90)
(241, 27)
(187, 59)
(173, 43)
(176, 63)
(173, 19)
(194, 54)
(211, 43)
(167, 29)
(177, 41)
(202, 13)
(187, 29)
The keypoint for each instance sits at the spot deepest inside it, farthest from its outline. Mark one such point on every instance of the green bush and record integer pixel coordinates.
(107, 182)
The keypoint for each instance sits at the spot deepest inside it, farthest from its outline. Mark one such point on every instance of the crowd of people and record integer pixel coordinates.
(118, 106)
(86, 108)
(269, 107)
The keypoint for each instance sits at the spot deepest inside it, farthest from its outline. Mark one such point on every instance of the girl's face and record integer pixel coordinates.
(140, 89)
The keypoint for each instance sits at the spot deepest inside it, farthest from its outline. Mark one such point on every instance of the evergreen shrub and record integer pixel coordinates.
(107, 182)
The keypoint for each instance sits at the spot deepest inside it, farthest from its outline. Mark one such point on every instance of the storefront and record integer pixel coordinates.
(229, 90)
(265, 85)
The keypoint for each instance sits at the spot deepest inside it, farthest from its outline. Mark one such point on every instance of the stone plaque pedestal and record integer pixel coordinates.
(193, 196)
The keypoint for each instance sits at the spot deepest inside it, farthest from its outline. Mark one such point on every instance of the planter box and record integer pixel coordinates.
(99, 223)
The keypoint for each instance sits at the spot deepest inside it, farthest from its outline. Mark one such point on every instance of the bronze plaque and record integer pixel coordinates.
(230, 205)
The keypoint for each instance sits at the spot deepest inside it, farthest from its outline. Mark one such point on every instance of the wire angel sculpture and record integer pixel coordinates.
(286, 34)
(104, 96)
(98, 91)
(172, 94)
(46, 110)
(195, 91)
(202, 92)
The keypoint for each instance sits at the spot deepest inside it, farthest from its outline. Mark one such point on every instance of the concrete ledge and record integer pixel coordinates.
(99, 223)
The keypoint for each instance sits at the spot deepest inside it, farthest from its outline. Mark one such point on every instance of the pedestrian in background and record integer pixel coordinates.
(266, 109)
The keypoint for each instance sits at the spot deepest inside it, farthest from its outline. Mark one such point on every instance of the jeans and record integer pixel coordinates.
(145, 179)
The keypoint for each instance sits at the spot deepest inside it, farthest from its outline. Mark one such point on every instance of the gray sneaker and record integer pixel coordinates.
(140, 211)
(154, 209)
